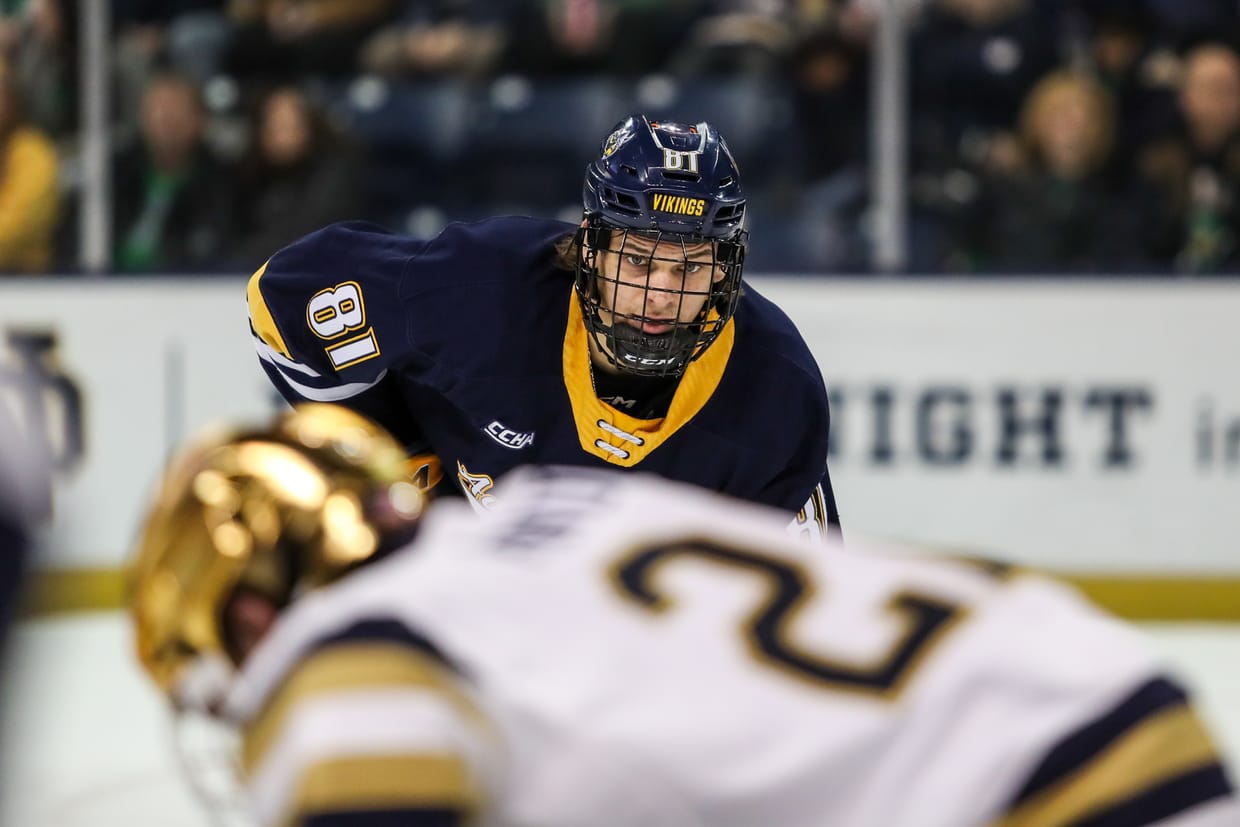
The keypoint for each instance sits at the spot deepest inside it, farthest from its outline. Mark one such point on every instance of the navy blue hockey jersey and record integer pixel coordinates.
(471, 345)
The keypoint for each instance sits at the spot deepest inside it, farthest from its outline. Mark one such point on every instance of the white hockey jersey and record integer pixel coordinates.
(609, 649)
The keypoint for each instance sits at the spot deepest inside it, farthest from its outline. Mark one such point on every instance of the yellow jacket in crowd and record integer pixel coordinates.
(29, 198)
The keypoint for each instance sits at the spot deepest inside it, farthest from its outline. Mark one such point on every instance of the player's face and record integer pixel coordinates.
(652, 286)
(245, 621)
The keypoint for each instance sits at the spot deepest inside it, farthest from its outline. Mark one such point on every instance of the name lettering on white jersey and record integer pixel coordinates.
(501, 433)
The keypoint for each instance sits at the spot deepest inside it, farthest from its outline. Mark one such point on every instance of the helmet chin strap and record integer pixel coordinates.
(204, 684)
(207, 746)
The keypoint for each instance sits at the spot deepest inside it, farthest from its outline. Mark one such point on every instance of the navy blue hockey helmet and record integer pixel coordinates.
(660, 198)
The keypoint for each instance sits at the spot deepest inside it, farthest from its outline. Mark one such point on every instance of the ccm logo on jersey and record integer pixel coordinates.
(678, 204)
(507, 437)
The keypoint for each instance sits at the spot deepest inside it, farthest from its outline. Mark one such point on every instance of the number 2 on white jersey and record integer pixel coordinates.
(789, 588)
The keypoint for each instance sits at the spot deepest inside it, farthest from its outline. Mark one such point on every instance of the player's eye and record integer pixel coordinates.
(636, 260)
(692, 267)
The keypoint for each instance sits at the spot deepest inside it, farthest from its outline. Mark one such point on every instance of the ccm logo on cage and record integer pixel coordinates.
(678, 204)
(507, 437)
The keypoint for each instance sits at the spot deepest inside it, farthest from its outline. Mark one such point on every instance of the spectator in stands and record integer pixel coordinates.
(39, 44)
(1197, 164)
(170, 193)
(440, 38)
(823, 227)
(29, 186)
(828, 76)
(1138, 70)
(287, 39)
(1053, 209)
(974, 61)
(751, 37)
(1189, 21)
(299, 175)
(627, 38)
(188, 36)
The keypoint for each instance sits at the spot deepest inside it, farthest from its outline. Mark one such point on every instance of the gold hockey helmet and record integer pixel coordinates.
(278, 509)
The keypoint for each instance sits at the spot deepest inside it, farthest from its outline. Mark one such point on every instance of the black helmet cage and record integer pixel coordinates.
(626, 345)
(675, 186)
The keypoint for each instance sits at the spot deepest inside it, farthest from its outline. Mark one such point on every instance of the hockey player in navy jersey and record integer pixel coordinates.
(629, 341)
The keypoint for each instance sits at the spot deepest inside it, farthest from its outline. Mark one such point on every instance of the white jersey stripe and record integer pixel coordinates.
(331, 394)
(269, 354)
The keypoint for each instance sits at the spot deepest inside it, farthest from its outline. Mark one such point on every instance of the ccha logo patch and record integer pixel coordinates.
(515, 440)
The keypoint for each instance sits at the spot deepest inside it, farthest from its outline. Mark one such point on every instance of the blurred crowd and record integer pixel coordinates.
(1045, 136)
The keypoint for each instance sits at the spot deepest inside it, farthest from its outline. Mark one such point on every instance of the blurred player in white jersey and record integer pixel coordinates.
(25, 503)
(612, 649)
